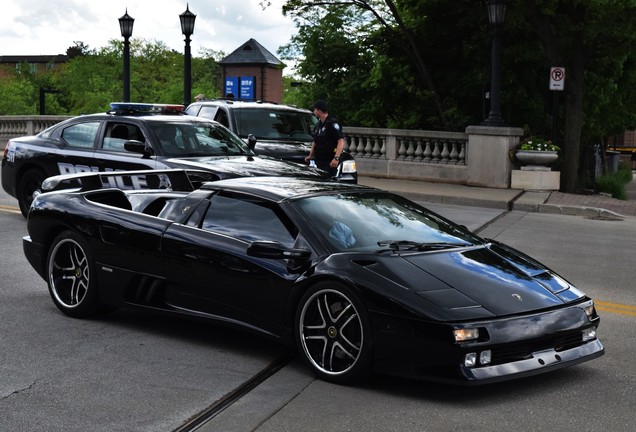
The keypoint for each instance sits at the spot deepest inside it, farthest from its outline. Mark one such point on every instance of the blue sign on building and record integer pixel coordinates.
(231, 86)
(247, 87)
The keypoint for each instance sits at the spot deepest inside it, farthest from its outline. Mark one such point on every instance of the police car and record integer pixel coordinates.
(134, 136)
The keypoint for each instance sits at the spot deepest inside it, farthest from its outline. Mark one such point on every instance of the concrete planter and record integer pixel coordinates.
(535, 157)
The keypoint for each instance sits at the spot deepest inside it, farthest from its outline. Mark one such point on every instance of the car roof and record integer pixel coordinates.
(250, 104)
(158, 117)
(283, 188)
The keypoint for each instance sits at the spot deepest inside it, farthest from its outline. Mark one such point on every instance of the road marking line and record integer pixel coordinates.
(9, 209)
(616, 308)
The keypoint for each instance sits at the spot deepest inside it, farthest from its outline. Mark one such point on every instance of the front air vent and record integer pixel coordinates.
(364, 263)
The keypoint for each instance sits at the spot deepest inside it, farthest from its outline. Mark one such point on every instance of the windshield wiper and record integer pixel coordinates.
(397, 245)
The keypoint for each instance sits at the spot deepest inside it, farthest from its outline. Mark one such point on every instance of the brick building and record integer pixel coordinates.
(11, 64)
(252, 73)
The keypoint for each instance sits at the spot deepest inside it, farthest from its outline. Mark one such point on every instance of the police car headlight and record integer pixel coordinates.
(348, 167)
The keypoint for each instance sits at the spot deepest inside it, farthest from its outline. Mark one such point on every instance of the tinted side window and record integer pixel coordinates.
(207, 112)
(246, 220)
(118, 133)
(221, 117)
(81, 135)
(192, 110)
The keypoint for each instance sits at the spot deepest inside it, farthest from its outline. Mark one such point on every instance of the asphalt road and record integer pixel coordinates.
(132, 372)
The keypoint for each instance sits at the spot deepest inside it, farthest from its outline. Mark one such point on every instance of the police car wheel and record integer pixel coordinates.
(30, 182)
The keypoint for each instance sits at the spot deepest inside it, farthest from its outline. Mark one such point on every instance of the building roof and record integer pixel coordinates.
(251, 52)
(59, 58)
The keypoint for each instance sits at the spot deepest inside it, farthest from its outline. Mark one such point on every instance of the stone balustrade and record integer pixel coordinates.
(407, 145)
(477, 157)
(13, 126)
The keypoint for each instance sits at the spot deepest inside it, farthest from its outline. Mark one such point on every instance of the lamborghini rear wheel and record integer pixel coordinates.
(71, 276)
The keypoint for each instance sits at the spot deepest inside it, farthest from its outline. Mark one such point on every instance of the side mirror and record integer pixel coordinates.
(275, 250)
(251, 141)
(135, 146)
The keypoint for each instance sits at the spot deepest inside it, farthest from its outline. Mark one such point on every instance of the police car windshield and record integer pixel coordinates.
(197, 139)
(274, 124)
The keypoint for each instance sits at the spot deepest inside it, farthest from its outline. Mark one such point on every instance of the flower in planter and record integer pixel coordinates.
(538, 144)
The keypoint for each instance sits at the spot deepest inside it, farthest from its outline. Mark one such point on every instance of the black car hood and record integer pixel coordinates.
(246, 166)
(283, 149)
(468, 283)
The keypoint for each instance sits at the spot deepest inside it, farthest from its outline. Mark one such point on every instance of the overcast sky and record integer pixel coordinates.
(48, 27)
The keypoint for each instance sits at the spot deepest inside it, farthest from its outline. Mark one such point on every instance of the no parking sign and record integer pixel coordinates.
(557, 78)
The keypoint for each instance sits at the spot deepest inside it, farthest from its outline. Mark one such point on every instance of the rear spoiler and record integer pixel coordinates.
(178, 180)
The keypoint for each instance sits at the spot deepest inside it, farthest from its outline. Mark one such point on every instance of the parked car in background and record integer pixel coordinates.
(357, 279)
(134, 136)
(270, 129)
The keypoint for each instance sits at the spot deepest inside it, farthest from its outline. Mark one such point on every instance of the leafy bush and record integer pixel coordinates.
(615, 183)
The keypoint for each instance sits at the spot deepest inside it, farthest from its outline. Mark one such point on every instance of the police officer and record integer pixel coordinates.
(328, 144)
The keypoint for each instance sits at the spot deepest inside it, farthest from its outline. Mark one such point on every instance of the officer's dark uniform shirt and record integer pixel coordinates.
(326, 135)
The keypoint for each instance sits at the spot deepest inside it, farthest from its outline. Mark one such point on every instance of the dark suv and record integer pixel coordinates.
(134, 136)
(271, 129)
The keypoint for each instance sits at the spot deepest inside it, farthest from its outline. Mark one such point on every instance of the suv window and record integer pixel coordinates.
(221, 117)
(274, 124)
(207, 112)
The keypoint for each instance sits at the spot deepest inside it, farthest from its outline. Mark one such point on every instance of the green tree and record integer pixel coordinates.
(334, 65)
(90, 81)
(18, 96)
(408, 75)
(591, 39)
(20, 92)
(428, 65)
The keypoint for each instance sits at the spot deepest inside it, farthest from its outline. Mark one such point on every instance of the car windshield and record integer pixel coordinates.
(184, 139)
(274, 124)
(381, 221)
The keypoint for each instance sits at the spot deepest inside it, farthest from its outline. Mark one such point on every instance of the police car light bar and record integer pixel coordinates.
(133, 107)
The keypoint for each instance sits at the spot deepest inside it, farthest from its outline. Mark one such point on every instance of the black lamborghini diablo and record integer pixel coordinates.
(358, 279)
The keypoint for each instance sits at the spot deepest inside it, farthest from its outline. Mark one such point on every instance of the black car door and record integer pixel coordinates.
(111, 155)
(209, 270)
(77, 142)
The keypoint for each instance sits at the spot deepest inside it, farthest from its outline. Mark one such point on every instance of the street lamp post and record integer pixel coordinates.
(187, 28)
(126, 26)
(496, 16)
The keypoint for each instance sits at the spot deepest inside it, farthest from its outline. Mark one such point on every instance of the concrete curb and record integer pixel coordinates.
(592, 212)
(501, 199)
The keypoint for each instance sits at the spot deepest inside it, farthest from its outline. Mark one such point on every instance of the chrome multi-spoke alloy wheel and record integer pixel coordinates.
(71, 278)
(331, 332)
(69, 273)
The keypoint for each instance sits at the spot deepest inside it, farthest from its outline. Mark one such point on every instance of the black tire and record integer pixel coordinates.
(30, 182)
(71, 276)
(333, 333)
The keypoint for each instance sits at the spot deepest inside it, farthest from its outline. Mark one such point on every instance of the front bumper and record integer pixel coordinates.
(519, 346)
(540, 362)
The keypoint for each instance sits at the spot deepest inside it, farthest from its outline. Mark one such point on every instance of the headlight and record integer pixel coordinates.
(485, 358)
(590, 311)
(467, 334)
(470, 360)
(589, 334)
(349, 167)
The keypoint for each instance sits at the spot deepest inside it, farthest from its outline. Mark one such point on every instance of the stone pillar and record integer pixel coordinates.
(488, 160)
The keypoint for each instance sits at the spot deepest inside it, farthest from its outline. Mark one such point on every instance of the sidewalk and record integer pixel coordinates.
(509, 199)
